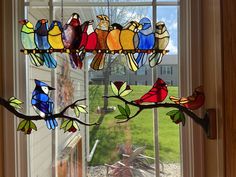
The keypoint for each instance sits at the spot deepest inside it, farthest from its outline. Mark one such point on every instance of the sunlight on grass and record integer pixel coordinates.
(138, 132)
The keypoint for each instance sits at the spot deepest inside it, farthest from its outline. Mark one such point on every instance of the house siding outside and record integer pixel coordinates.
(168, 70)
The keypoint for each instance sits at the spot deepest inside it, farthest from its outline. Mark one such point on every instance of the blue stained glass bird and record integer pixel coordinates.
(41, 40)
(43, 104)
(146, 40)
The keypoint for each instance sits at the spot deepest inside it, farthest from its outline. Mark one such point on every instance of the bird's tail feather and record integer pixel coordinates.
(51, 123)
(155, 59)
(49, 61)
(36, 59)
(133, 66)
(98, 61)
(75, 61)
(141, 59)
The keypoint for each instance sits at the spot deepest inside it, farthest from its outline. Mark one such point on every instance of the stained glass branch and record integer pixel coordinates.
(10, 108)
(107, 51)
(203, 122)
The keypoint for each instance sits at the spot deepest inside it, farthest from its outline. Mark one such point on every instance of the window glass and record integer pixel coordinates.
(169, 140)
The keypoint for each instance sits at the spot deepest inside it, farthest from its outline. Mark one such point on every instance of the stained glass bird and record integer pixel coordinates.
(157, 93)
(195, 101)
(27, 40)
(55, 35)
(113, 37)
(41, 40)
(43, 104)
(146, 40)
(102, 32)
(72, 38)
(89, 38)
(129, 41)
(161, 41)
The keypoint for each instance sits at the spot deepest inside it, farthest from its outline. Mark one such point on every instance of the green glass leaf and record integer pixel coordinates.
(127, 109)
(76, 111)
(177, 116)
(114, 89)
(33, 126)
(14, 102)
(27, 126)
(21, 125)
(123, 88)
(69, 125)
(82, 108)
(75, 125)
(64, 123)
(120, 117)
(125, 93)
(122, 110)
(172, 112)
(182, 117)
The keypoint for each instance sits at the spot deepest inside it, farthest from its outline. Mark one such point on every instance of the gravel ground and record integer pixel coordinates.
(170, 170)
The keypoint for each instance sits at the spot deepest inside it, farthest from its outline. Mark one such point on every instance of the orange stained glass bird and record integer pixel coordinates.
(113, 37)
(129, 41)
(102, 31)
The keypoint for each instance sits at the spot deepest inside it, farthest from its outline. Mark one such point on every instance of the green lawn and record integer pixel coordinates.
(138, 132)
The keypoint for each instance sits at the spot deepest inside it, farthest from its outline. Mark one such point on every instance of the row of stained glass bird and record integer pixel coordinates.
(82, 37)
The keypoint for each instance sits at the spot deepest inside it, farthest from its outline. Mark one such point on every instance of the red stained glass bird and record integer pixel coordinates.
(157, 93)
(193, 102)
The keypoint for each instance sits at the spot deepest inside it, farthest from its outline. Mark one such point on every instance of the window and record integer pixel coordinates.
(55, 142)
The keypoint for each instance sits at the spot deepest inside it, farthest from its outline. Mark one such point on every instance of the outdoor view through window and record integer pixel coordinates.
(134, 148)
(117, 142)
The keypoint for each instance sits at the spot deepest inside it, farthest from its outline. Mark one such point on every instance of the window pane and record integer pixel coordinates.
(169, 139)
(115, 140)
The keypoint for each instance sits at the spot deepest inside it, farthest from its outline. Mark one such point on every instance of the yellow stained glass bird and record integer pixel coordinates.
(55, 35)
(129, 41)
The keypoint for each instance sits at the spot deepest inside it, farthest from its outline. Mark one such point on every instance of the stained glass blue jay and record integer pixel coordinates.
(146, 40)
(41, 40)
(43, 104)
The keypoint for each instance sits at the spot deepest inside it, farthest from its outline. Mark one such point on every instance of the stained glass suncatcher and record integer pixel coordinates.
(77, 38)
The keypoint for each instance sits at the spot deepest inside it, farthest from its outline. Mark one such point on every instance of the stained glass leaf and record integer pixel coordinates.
(120, 117)
(27, 126)
(122, 110)
(82, 108)
(21, 125)
(127, 109)
(75, 125)
(76, 111)
(123, 88)
(172, 112)
(14, 102)
(114, 89)
(63, 125)
(125, 93)
(68, 126)
(33, 126)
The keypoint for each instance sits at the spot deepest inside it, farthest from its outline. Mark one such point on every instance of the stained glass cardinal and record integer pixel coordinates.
(43, 104)
(194, 101)
(157, 93)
